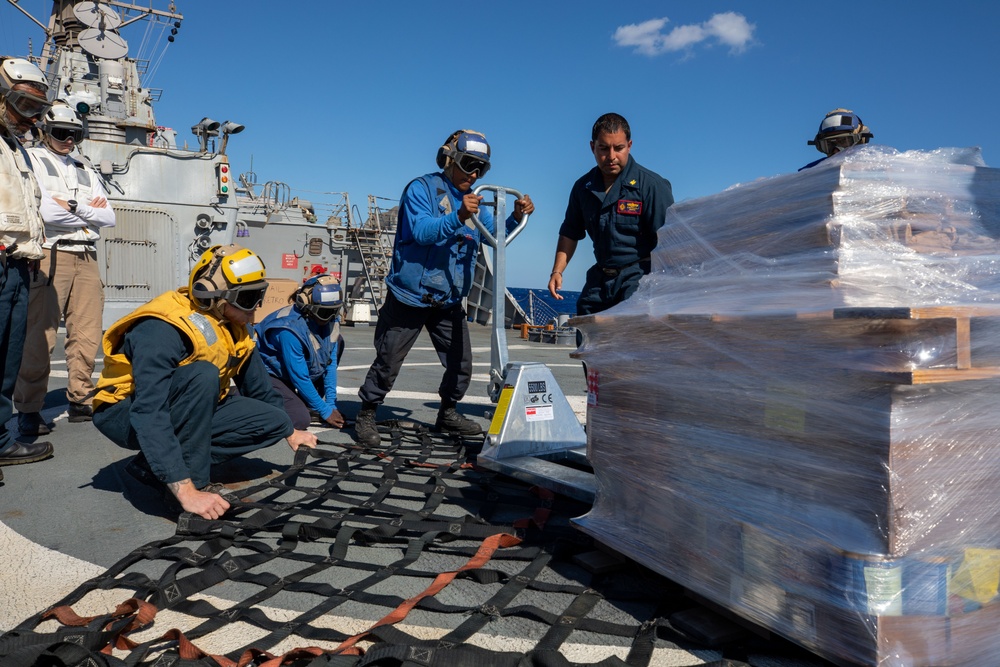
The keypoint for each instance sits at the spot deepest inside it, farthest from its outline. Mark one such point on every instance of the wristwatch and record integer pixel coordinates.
(72, 205)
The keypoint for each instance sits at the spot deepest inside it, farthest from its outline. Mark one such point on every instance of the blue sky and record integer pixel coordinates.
(356, 97)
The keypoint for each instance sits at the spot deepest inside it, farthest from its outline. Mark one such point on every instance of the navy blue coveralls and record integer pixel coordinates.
(623, 224)
(241, 423)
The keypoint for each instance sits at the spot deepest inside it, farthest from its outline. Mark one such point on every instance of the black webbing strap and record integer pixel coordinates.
(335, 531)
(399, 655)
(59, 654)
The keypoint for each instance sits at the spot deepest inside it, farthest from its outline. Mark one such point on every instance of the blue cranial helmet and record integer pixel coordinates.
(320, 297)
(468, 149)
(840, 129)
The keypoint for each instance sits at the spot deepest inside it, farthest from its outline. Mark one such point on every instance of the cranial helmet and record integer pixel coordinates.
(61, 115)
(64, 120)
(466, 148)
(18, 70)
(319, 297)
(230, 274)
(840, 129)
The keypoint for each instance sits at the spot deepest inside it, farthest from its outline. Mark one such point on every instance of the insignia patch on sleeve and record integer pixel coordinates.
(629, 207)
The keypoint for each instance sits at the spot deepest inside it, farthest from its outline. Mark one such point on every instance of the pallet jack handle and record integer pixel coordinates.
(499, 242)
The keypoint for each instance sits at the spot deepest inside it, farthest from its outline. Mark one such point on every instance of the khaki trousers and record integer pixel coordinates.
(77, 296)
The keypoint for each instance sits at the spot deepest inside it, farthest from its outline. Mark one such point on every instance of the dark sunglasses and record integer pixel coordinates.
(470, 164)
(64, 133)
(324, 313)
(247, 299)
(27, 105)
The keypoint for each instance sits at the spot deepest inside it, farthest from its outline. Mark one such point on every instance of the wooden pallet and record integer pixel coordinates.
(958, 320)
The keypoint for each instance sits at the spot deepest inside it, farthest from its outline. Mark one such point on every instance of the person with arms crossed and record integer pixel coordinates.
(433, 262)
(165, 387)
(68, 285)
(620, 205)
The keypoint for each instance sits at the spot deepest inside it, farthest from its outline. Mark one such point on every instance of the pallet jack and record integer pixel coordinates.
(534, 436)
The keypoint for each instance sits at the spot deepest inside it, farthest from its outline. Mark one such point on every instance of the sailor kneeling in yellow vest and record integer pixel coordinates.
(167, 371)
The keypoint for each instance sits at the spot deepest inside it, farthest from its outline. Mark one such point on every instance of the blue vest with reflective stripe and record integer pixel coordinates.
(439, 274)
(318, 350)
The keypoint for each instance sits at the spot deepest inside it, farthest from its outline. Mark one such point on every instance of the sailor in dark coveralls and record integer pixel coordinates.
(620, 205)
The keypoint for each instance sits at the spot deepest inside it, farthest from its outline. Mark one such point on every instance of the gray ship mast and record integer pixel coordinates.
(172, 203)
(85, 57)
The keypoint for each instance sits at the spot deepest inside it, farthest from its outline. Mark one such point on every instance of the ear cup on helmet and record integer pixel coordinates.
(443, 159)
(203, 288)
(302, 296)
(204, 285)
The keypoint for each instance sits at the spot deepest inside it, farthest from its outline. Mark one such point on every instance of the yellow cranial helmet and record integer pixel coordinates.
(229, 273)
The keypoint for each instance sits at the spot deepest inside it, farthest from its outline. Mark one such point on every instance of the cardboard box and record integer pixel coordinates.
(278, 291)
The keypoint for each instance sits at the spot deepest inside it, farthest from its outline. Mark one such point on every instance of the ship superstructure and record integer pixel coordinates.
(174, 202)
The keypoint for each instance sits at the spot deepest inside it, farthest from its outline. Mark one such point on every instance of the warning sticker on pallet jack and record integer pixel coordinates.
(538, 413)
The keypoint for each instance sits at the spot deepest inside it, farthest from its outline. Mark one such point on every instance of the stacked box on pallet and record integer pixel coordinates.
(796, 414)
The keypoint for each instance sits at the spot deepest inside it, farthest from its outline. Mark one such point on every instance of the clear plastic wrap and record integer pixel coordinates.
(795, 415)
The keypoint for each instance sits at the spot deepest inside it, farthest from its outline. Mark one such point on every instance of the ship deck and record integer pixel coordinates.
(66, 521)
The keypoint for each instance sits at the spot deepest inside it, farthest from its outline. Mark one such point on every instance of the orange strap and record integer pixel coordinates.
(486, 550)
(142, 611)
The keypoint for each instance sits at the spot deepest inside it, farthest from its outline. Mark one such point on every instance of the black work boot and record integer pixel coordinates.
(80, 412)
(17, 452)
(31, 423)
(365, 429)
(140, 471)
(449, 421)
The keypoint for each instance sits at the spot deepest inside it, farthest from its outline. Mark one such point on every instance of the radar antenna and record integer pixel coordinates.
(94, 14)
(100, 39)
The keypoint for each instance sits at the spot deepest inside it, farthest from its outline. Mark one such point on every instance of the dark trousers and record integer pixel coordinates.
(602, 291)
(14, 281)
(396, 332)
(209, 431)
(296, 408)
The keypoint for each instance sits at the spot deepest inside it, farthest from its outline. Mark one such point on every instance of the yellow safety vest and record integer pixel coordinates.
(223, 344)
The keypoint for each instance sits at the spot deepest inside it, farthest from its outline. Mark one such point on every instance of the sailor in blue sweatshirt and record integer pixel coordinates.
(301, 346)
(432, 266)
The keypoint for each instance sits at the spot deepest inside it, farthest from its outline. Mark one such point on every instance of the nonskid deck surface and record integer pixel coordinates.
(334, 548)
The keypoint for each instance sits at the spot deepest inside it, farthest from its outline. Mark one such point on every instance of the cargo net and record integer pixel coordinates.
(407, 556)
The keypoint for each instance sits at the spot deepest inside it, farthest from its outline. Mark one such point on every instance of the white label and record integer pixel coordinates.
(538, 413)
(884, 586)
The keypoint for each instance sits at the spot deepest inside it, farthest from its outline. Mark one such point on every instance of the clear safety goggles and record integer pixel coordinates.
(64, 133)
(838, 142)
(26, 104)
(471, 164)
(245, 299)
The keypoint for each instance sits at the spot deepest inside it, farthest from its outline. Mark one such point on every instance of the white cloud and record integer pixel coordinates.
(648, 38)
(645, 36)
(731, 29)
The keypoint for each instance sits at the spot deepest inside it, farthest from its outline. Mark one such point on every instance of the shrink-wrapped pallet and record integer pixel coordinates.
(795, 415)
